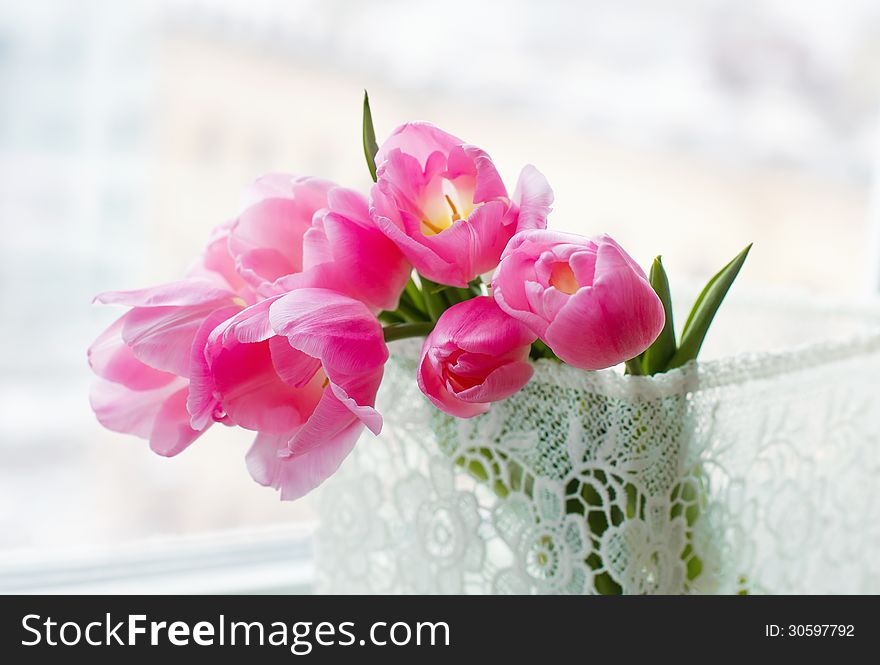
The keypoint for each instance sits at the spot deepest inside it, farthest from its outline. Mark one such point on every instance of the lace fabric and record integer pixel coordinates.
(746, 474)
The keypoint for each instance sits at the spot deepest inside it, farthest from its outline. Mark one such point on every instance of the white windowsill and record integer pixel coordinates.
(258, 561)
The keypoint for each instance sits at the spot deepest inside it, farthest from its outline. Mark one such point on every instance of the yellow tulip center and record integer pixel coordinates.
(445, 212)
(562, 277)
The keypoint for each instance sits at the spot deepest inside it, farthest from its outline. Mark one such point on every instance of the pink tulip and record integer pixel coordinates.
(345, 251)
(300, 232)
(587, 299)
(444, 205)
(144, 360)
(266, 240)
(133, 398)
(301, 369)
(271, 248)
(475, 355)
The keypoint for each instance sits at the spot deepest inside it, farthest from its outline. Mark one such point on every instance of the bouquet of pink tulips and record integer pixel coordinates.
(281, 327)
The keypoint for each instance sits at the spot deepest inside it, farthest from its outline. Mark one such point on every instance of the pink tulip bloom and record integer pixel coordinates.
(346, 252)
(301, 369)
(266, 240)
(300, 232)
(144, 360)
(444, 205)
(588, 300)
(133, 398)
(475, 355)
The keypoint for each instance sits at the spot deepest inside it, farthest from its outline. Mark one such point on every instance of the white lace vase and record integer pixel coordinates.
(745, 474)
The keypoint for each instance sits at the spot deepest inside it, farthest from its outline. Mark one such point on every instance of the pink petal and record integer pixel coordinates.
(419, 139)
(489, 186)
(111, 359)
(252, 393)
(612, 321)
(337, 329)
(271, 464)
(316, 248)
(162, 337)
(250, 324)
(358, 395)
(267, 240)
(499, 384)
(478, 325)
(474, 245)
(121, 409)
(216, 263)
(425, 259)
(203, 401)
(294, 367)
(329, 419)
(185, 293)
(431, 384)
(171, 433)
(371, 264)
(533, 196)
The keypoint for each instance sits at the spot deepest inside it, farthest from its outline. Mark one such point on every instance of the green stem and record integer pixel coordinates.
(390, 317)
(410, 312)
(476, 286)
(414, 294)
(634, 367)
(404, 330)
(434, 301)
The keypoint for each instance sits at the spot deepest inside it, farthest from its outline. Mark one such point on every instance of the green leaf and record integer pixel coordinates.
(634, 367)
(656, 358)
(415, 296)
(540, 350)
(397, 331)
(390, 317)
(369, 137)
(476, 286)
(704, 310)
(435, 303)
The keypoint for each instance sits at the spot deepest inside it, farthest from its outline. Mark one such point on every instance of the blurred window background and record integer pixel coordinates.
(128, 130)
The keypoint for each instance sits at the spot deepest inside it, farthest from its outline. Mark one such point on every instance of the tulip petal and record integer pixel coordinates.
(329, 419)
(603, 325)
(121, 409)
(337, 329)
(470, 159)
(481, 327)
(419, 139)
(112, 359)
(426, 261)
(270, 463)
(375, 268)
(499, 384)
(534, 196)
(294, 367)
(184, 293)
(162, 337)
(358, 395)
(252, 393)
(475, 355)
(266, 240)
(203, 402)
(172, 433)
(433, 387)
(216, 263)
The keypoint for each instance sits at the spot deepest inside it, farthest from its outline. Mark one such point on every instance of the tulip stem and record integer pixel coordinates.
(634, 367)
(409, 312)
(404, 330)
(434, 301)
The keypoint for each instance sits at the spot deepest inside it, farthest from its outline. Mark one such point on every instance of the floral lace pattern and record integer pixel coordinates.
(749, 475)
